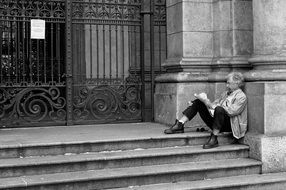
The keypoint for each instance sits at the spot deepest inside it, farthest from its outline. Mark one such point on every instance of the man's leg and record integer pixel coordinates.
(221, 121)
(189, 114)
(201, 108)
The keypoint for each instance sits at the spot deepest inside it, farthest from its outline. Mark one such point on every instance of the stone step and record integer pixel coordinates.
(143, 175)
(76, 147)
(274, 181)
(117, 159)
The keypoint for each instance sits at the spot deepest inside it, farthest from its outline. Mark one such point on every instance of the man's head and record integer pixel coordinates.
(234, 81)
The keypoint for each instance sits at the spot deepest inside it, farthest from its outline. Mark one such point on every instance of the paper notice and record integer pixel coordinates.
(38, 29)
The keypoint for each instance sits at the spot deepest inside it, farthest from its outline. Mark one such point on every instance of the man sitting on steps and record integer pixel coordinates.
(228, 113)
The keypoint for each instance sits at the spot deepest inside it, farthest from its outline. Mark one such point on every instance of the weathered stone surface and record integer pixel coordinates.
(267, 131)
(274, 154)
(255, 113)
(175, 14)
(165, 103)
(269, 41)
(175, 45)
(269, 26)
(275, 114)
(253, 140)
(197, 16)
(232, 23)
(197, 44)
(266, 103)
(269, 149)
(222, 19)
(223, 43)
(189, 30)
(269, 88)
(242, 44)
(267, 74)
(183, 77)
(242, 14)
(172, 98)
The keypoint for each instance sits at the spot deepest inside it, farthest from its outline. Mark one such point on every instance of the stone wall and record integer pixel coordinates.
(266, 86)
(206, 40)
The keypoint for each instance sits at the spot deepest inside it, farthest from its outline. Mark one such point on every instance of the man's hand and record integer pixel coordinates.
(202, 96)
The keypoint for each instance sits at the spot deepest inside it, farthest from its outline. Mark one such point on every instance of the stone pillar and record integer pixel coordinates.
(266, 86)
(269, 58)
(189, 58)
(206, 39)
(233, 37)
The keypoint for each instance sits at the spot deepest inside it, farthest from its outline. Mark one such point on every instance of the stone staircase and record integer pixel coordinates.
(137, 162)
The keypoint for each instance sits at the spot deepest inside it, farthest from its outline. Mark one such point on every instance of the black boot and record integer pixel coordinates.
(212, 142)
(178, 127)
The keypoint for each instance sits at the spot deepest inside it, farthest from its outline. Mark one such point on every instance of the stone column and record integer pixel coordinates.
(189, 58)
(206, 39)
(269, 57)
(266, 86)
(232, 37)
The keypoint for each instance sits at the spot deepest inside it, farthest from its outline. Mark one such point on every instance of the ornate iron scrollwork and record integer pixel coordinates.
(36, 8)
(108, 102)
(110, 10)
(30, 105)
(32, 78)
(31, 71)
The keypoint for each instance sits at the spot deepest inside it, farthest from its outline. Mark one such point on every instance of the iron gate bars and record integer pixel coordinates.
(154, 51)
(32, 71)
(91, 67)
(106, 61)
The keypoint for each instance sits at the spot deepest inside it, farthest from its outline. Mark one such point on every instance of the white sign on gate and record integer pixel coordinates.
(38, 27)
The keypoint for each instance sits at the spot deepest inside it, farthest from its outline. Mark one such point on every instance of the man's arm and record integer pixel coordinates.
(237, 106)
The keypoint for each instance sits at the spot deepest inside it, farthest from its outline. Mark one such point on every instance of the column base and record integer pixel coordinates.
(266, 107)
(267, 68)
(266, 134)
(269, 149)
(266, 75)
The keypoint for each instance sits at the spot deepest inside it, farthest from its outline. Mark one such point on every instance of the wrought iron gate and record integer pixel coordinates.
(90, 68)
(106, 58)
(32, 71)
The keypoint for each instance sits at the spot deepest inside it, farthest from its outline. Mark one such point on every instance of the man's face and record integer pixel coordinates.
(231, 85)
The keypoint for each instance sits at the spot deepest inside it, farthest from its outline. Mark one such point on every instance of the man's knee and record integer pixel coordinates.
(197, 102)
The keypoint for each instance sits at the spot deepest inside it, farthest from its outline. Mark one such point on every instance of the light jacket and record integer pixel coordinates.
(235, 105)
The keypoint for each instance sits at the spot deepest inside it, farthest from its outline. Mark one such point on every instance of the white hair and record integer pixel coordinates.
(236, 77)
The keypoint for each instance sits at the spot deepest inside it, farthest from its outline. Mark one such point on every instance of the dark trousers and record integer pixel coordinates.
(219, 121)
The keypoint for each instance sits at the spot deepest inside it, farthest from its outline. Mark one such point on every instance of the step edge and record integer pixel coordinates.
(185, 185)
(251, 164)
(42, 160)
(167, 137)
